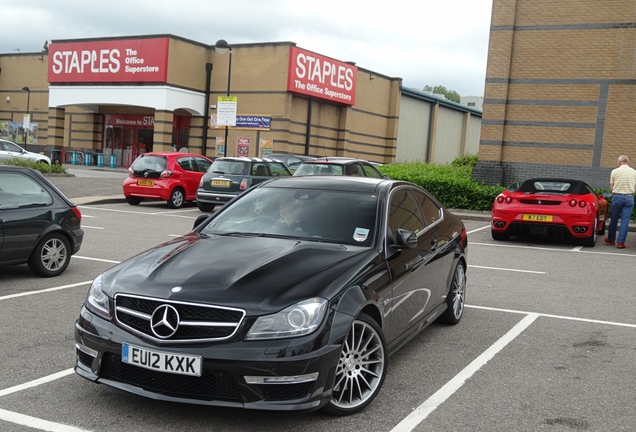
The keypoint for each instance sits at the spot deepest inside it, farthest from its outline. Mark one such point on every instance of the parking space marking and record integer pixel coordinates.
(96, 259)
(563, 317)
(36, 423)
(88, 216)
(159, 213)
(553, 249)
(92, 227)
(507, 269)
(37, 382)
(478, 229)
(428, 406)
(46, 290)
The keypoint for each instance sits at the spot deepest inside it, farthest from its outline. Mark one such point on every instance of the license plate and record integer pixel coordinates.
(534, 217)
(224, 183)
(161, 361)
(145, 182)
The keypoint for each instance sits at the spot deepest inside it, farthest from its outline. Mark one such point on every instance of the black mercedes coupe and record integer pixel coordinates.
(291, 297)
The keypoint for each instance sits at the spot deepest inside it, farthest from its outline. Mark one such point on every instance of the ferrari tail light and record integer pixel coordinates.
(582, 203)
(500, 199)
(572, 203)
(243, 184)
(166, 174)
(508, 200)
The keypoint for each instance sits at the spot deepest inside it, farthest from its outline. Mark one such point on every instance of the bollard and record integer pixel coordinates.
(100, 159)
(113, 161)
(74, 158)
(88, 159)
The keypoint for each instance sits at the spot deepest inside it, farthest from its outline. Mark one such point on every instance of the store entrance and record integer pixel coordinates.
(127, 136)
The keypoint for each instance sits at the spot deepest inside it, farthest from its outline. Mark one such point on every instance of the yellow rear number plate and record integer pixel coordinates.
(145, 182)
(538, 218)
(223, 183)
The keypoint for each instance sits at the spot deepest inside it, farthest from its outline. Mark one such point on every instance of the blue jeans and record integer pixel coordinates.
(621, 205)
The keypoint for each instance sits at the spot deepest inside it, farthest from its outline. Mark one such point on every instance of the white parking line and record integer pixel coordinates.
(588, 251)
(507, 269)
(36, 423)
(478, 229)
(46, 290)
(92, 227)
(160, 213)
(420, 413)
(36, 382)
(96, 259)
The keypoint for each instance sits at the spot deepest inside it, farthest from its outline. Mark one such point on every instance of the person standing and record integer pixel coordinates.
(622, 186)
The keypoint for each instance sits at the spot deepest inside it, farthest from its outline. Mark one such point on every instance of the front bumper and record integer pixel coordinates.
(235, 373)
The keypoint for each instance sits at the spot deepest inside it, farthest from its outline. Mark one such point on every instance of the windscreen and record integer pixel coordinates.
(318, 170)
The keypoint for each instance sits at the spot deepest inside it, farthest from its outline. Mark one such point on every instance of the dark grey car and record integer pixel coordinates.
(229, 176)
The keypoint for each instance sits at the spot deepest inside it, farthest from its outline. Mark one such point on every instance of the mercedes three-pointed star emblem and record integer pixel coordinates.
(164, 321)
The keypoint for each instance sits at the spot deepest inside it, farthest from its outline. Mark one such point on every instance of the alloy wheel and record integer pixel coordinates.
(458, 291)
(53, 254)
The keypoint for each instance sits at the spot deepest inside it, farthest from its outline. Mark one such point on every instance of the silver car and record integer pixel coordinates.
(10, 150)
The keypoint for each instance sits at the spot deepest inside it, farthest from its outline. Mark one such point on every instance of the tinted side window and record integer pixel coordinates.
(260, 170)
(430, 210)
(278, 169)
(404, 212)
(369, 171)
(19, 190)
(354, 170)
(187, 164)
(202, 164)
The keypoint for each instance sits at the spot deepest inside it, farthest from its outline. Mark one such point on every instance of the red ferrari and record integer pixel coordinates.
(563, 209)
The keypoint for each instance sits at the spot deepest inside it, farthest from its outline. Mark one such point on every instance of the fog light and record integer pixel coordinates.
(294, 379)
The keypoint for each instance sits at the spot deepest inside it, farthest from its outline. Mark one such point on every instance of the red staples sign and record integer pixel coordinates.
(135, 60)
(322, 77)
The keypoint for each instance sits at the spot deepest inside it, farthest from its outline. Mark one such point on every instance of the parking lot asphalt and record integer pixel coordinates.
(102, 185)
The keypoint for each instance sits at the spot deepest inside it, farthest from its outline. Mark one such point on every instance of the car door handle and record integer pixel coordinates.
(433, 244)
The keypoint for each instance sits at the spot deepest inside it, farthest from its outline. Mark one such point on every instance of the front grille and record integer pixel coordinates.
(286, 391)
(197, 322)
(211, 385)
(540, 202)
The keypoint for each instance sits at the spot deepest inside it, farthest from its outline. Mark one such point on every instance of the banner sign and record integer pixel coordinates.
(245, 122)
(134, 60)
(321, 77)
(243, 146)
(130, 120)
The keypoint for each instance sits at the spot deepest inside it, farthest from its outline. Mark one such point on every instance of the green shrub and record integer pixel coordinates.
(451, 184)
(44, 168)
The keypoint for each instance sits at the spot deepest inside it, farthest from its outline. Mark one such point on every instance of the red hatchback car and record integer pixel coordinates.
(564, 209)
(169, 176)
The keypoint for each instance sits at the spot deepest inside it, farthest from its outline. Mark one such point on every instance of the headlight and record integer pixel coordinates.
(97, 301)
(297, 320)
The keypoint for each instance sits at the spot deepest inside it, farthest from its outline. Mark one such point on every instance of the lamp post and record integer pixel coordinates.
(26, 125)
(222, 47)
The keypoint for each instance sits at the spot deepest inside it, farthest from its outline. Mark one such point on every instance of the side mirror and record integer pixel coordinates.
(199, 221)
(405, 239)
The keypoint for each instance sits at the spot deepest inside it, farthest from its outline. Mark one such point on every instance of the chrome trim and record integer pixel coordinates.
(86, 350)
(133, 313)
(151, 337)
(294, 379)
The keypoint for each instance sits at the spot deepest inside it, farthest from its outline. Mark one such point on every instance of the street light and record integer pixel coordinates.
(25, 127)
(222, 47)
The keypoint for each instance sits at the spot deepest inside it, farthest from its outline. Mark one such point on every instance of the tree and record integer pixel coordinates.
(451, 95)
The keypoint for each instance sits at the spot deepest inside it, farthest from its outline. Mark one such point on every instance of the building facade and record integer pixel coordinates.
(560, 90)
(120, 97)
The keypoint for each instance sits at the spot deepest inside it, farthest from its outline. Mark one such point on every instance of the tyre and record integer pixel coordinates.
(205, 207)
(361, 369)
(456, 297)
(177, 198)
(496, 235)
(591, 240)
(51, 256)
(133, 200)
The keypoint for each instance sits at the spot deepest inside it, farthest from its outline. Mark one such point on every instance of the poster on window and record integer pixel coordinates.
(220, 146)
(243, 146)
(14, 131)
(267, 146)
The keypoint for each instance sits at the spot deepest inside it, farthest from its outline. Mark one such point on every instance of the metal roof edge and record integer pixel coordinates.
(444, 102)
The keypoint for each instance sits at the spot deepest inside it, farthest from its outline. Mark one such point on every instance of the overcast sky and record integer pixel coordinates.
(424, 42)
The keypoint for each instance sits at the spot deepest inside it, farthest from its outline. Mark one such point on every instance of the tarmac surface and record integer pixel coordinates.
(101, 185)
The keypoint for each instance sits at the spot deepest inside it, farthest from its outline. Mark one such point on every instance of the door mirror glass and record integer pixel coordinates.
(405, 239)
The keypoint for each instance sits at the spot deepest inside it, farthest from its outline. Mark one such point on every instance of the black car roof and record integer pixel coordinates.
(340, 183)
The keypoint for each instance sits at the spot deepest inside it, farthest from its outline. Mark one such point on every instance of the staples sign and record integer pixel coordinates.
(321, 77)
(135, 60)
